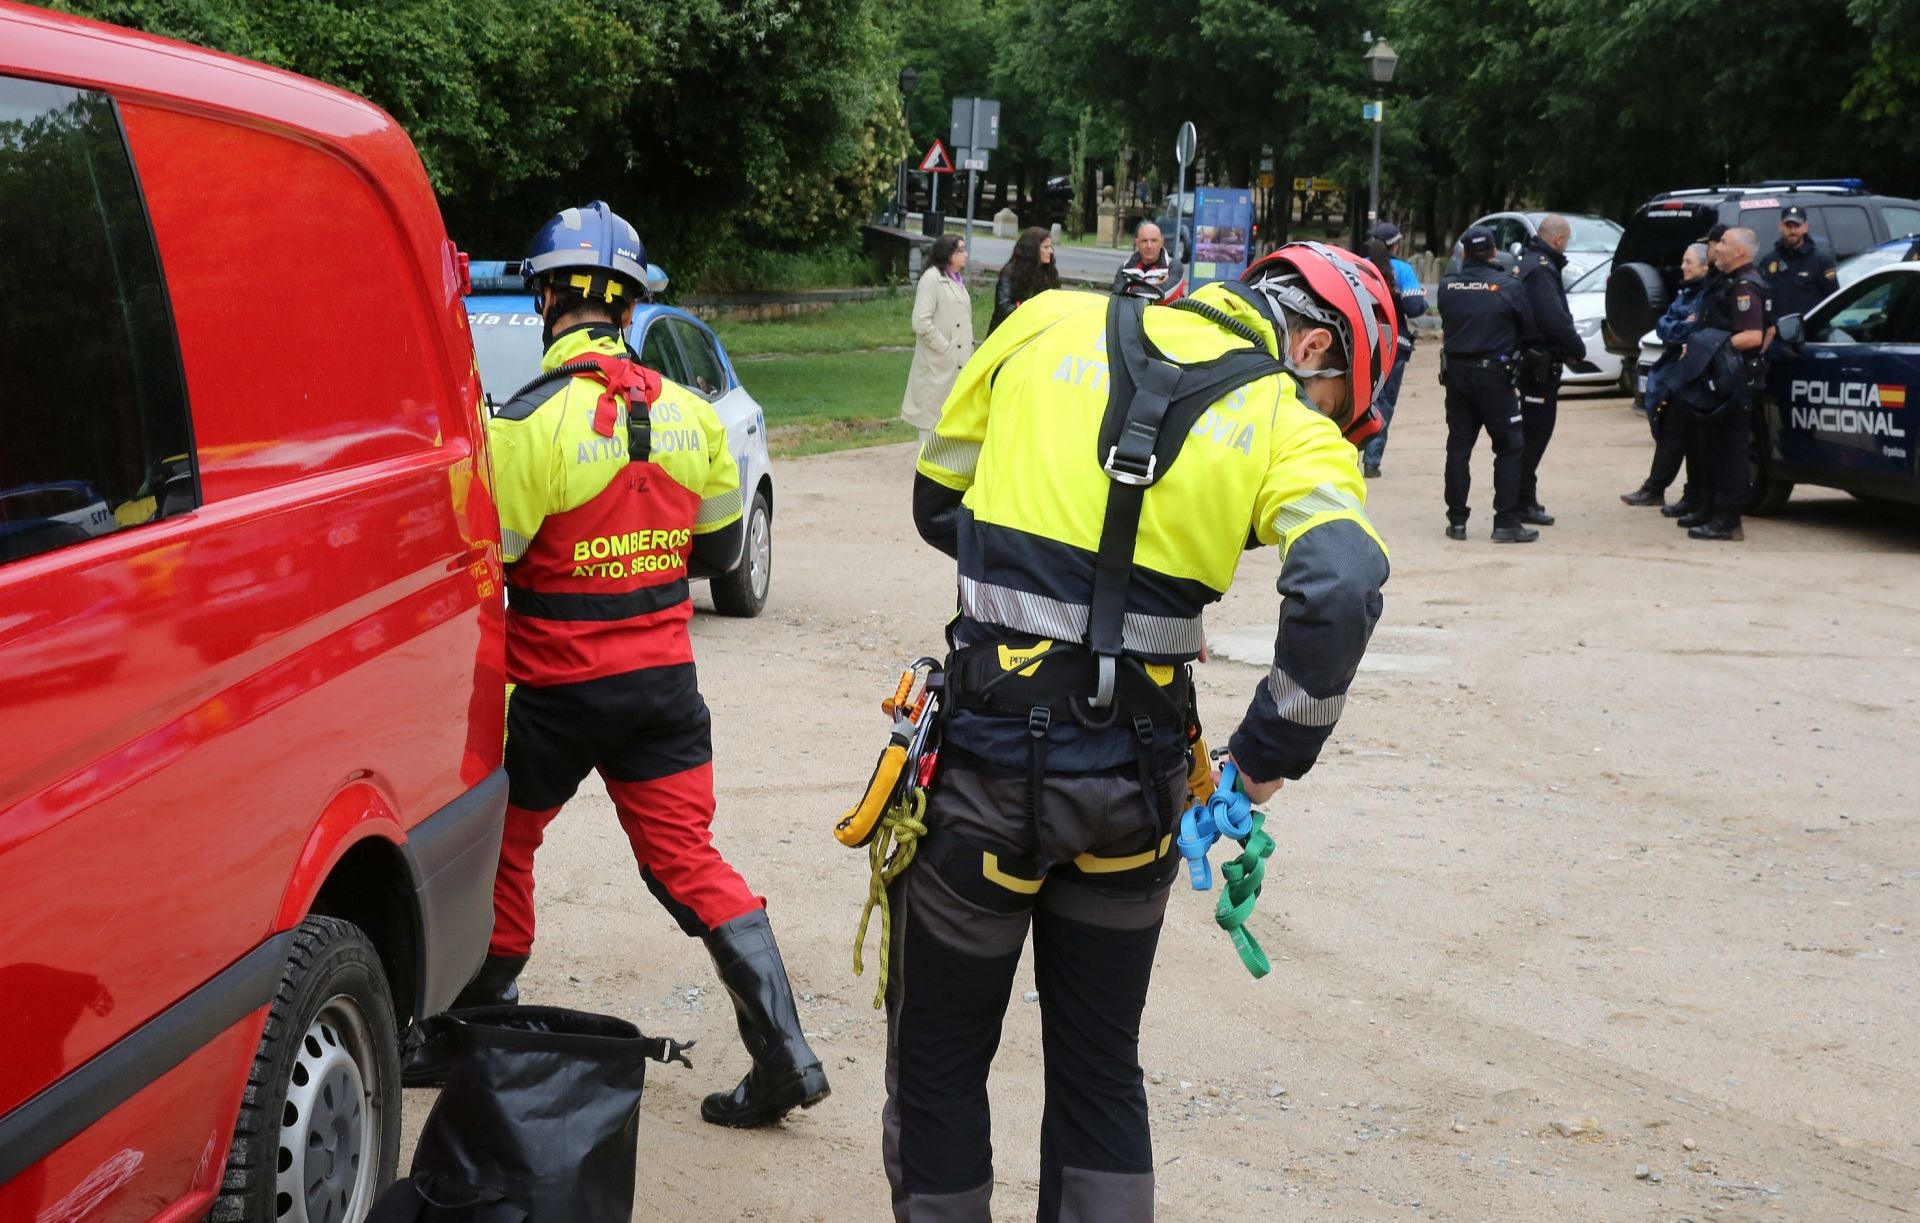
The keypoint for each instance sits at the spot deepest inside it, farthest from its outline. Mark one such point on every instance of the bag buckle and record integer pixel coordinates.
(1130, 471)
(1039, 718)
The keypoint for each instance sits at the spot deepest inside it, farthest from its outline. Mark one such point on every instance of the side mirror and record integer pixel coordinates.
(1791, 331)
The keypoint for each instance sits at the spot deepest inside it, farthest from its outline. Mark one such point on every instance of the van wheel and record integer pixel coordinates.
(743, 592)
(318, 1136)
(1765, 494)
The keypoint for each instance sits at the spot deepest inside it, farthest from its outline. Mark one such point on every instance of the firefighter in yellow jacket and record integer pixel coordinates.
(610, 481)
(1097, 471)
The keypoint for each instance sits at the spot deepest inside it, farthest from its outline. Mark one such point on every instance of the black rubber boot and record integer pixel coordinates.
(496, 985)
(785, 1072)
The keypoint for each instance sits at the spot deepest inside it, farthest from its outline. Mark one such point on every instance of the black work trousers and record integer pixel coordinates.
(1670, 423)
(960, 917)
(1539, 409)
(1481, 397)
(1720, 480)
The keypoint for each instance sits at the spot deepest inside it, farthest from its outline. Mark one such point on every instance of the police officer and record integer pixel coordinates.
(1484, 315)
(1799, 271)
(1693, 491)
(1738, 303)
(1097, 499)
(1542, 353)
(610, 482)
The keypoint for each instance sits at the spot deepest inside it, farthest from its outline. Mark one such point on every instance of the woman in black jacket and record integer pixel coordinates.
(1029, 273)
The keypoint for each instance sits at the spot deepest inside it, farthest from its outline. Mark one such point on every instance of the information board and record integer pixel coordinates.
(1222, 233)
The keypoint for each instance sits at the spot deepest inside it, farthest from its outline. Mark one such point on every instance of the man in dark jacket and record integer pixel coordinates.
(1737, 304)
(1484, 315)
(1799, 270)
(1552, 341)
(1151, 261)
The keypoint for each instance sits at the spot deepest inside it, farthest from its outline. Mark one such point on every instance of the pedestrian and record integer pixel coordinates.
(1688, 422)
(1552, 342)
(1409, 302)
(1149, 263)
(1063, 757)
(1484, 313)
(1029, 272)
(598, 525)
(1738, 306)
(943, 333)
(1665, 419)
(1800, 272)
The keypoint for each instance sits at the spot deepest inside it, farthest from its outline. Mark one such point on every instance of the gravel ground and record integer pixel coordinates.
(1603, 903)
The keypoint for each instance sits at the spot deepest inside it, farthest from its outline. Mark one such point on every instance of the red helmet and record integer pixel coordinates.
(1346, 293)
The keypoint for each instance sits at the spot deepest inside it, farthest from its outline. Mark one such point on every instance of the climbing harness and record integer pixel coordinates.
(891, 816)
(1228, 812)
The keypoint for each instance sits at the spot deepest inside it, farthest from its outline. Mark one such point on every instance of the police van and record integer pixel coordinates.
(1842, 215)
(1835, 411)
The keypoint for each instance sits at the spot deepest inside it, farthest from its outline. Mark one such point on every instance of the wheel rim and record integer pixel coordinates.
(330, 1131)
(759, 553)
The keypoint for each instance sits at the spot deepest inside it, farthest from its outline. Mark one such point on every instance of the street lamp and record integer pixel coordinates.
(1381, 61)
(908, 80)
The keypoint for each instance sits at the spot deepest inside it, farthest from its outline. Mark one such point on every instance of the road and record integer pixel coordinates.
(1083, 264)
(1613, 861)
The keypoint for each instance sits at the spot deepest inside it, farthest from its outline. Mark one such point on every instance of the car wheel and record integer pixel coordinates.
(1765, 494)
(743, 592)
(318, 1135)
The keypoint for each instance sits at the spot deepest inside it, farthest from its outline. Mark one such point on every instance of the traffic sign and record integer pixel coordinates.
(1316, 184)
(972, 159)
(1183, 145)
(1373, 111)
(936, 161)
(975, 123)
(1266, 182)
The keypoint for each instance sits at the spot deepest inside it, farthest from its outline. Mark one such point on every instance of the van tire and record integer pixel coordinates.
(332, 1022)
(1636, 298)
(743, 591)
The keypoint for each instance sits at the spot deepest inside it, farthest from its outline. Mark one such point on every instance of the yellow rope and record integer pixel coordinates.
(889, 853)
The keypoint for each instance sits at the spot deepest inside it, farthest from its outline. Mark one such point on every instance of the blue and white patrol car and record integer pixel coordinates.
(1836, 408)
(506, 339)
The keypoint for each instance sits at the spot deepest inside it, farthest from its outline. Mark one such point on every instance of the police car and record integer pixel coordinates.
(1835, 412)
(506, 339)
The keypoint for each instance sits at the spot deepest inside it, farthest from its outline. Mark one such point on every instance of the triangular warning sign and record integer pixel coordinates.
(937, 161)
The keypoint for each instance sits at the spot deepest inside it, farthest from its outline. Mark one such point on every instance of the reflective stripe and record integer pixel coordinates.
(962, 458)
(513, 544)
(1322, 499)
(990, 869)
(1296, 706)
(1092, 864)
(1045, 617)
(714, 510)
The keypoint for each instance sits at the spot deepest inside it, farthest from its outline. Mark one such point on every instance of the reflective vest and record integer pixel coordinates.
(596, 545)
(1019, 438)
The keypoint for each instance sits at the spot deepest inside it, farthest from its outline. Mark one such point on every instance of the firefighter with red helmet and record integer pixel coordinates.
(1097, 471)
(610, 481)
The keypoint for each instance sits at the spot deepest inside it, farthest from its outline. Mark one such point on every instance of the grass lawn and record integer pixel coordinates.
(833, 380)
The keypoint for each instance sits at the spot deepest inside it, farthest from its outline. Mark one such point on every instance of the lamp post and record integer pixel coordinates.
(908, 80)
(1382, 61)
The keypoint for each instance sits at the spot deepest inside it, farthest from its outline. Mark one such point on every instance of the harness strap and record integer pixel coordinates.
(620, 378)
(1152, 404)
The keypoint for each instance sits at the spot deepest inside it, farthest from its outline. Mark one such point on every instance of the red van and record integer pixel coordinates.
(250, 632)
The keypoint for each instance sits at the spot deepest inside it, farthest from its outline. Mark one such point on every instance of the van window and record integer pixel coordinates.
(1867, 313)
(92, 407)
(1901, 220)
(1849, 231)
(1659, 235)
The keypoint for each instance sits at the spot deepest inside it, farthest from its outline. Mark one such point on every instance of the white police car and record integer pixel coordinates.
(1835, 412)
(506, 339)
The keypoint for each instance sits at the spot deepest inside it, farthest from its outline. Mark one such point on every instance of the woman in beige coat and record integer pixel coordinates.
(943, 325)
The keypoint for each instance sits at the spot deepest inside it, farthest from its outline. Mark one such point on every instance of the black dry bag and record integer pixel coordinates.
(539, 1120)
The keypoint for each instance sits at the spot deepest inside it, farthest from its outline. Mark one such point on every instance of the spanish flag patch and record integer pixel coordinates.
(1893, 396)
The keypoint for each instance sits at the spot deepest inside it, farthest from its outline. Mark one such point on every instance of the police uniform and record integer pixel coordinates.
(1552, 342)
(1044, 820)
(610, 481)
(1484, 313)
(1799, 277)
(1736, 302)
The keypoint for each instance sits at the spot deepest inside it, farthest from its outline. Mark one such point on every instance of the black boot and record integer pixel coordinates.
(1695, 519)
(1642, 496)
(1679, 509)
(497, 983)
(785, 1072)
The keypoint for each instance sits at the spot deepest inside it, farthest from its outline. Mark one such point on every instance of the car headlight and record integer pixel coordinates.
(1587, 328)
